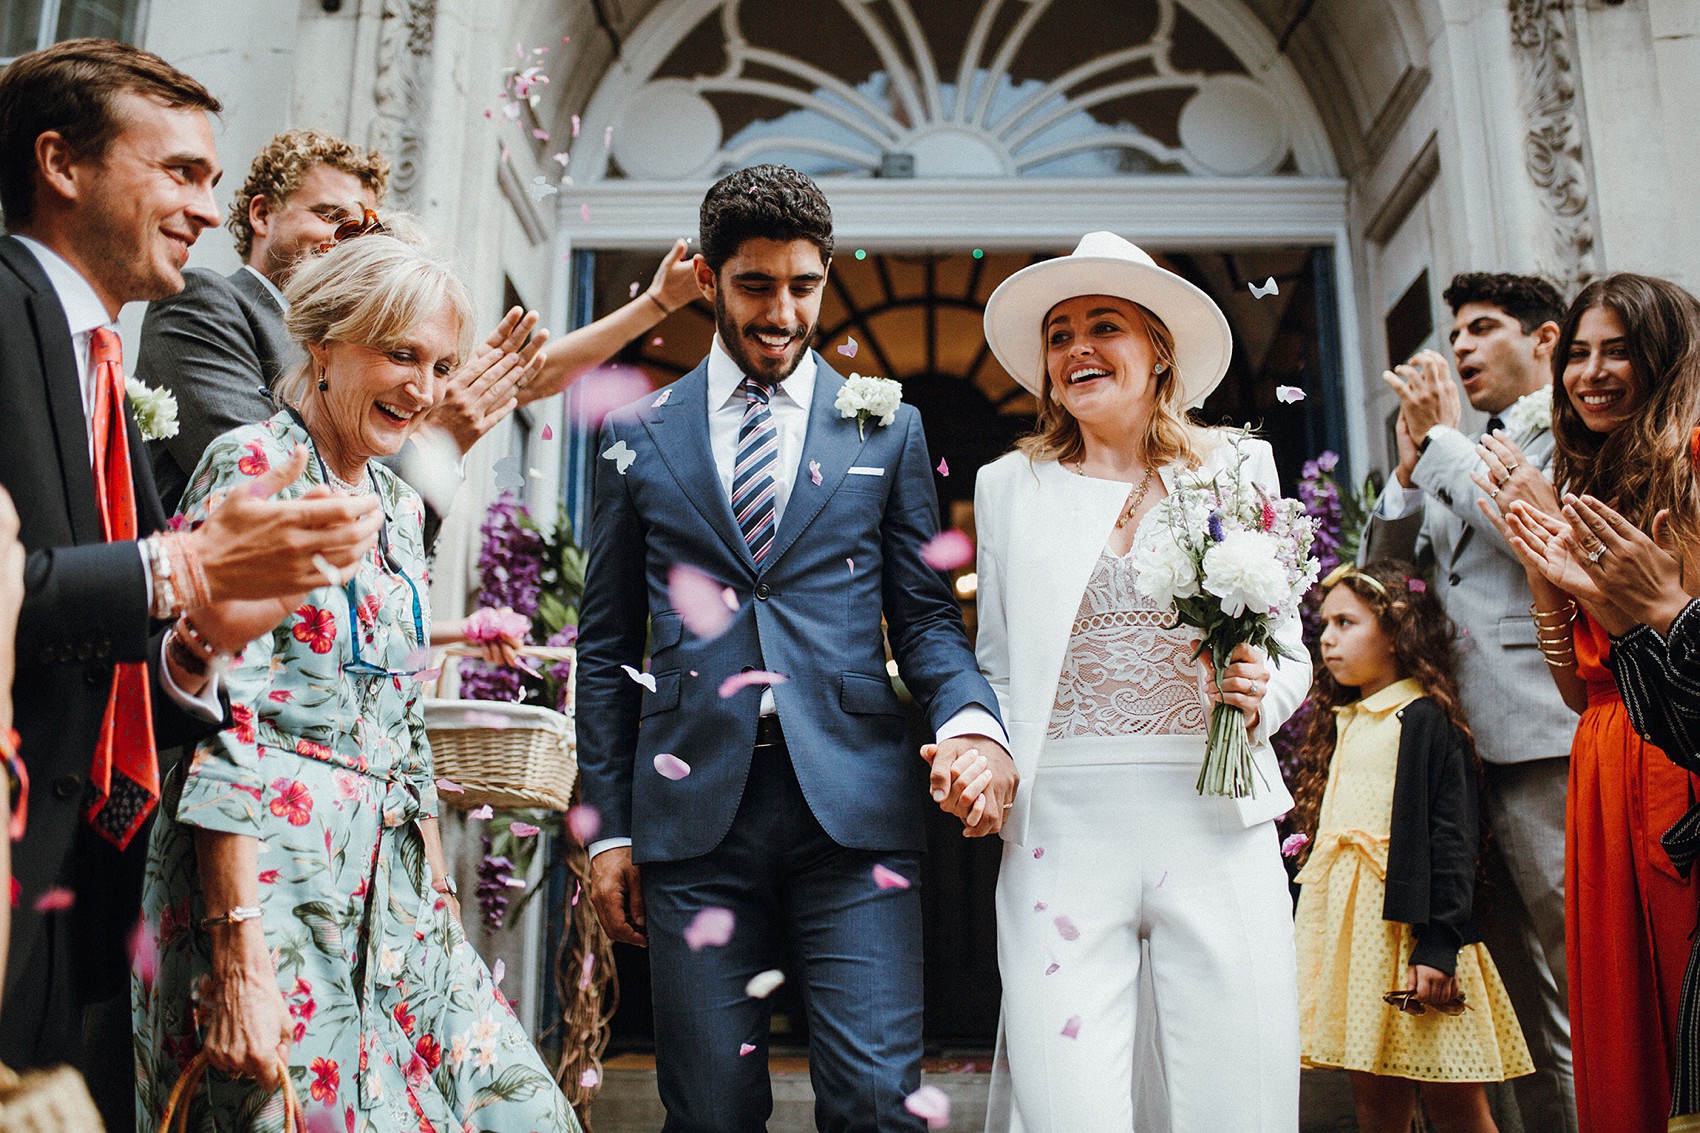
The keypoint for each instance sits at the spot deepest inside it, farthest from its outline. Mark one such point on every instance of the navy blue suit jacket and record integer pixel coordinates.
(847, 552)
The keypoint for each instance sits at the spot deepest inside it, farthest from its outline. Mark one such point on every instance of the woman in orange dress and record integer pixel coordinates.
(1625, 399)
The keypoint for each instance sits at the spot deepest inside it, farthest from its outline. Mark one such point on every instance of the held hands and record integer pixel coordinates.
(616, 892)
(974, 779)
(1428, 394)
(1244, 683)
(243, 1013)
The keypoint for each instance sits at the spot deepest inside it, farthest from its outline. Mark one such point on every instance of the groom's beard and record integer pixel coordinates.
(738, 342)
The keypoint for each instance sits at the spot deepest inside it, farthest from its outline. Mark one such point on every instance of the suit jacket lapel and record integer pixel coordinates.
(62, 392)
(832, 443)
(679, 428)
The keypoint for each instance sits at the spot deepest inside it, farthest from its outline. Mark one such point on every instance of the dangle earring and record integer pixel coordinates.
(324, 385)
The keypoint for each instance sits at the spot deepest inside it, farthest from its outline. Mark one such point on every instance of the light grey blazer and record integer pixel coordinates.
(1514, 707)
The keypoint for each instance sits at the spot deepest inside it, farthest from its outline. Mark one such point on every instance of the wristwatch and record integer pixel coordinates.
(236, 915)
(1422, 445)
(446, 884)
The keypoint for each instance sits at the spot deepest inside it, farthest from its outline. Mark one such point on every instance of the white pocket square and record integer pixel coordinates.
(866, 470)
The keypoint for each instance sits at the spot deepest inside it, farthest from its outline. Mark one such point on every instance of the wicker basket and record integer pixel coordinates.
(511, 756)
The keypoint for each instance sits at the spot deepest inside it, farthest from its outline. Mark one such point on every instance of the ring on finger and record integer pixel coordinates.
(1511, 468)
(1597, 553)
(1497, 488)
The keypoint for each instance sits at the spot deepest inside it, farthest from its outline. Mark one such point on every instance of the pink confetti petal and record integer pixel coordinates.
(944, 467)
(851, 563)
(662, 398)
(548, 433)
(931, 1104)
(764, 984)
(575, 116)
(499, 971)
(710, 928)
(1293, 843)
(730, 597)
(814, 472)
(948, 550)
(606, 389)
(1416, 586)
(738, 681)
(700, 601)
(477, 719)
(607, 136)
(1071, 1029)
(745, 1048)
(560, 157)
(1066, 929)
(426, 676)
(590, 1079)
(586, 966)
(1286, 395)
(417, 658)
(1162, 879)
(670, 766)
(1040, 906)
(540, 134)
(323, 1119)
(450, 786)
(584, 822)
(584, 212)
(647, 680)
(632, 292)
(55, 900)
(1038, 852)
(889, 879)
(485, 812)
(849, 348)
(523, 829)
(1053, 968)
(144, 951)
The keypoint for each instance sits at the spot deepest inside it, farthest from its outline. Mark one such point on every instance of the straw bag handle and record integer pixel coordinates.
(554, 653)
(175, 1119)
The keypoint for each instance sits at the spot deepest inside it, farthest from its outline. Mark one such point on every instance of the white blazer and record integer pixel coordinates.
(1041, 529)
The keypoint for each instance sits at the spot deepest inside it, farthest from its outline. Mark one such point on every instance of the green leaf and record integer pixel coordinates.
(516, 1083)
(552, 612)
(320, 919)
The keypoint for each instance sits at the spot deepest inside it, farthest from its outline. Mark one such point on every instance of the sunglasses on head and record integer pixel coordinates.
(366, 224)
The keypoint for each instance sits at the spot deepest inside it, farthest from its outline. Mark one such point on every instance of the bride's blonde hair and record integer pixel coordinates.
(1170, 438)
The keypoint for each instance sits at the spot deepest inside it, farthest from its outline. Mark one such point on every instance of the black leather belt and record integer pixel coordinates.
(768, 732)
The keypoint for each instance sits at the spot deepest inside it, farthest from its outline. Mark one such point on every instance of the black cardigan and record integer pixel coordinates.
(1431, 852)
(1660, 683)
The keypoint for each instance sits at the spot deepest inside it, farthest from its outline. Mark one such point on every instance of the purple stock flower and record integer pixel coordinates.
(1215, 526)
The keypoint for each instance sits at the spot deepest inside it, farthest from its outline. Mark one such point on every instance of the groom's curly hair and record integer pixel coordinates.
(763, 202)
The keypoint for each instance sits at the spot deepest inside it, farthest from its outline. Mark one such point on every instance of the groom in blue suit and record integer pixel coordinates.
(797, 789)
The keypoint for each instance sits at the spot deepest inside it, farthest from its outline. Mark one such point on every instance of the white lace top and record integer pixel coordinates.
(1126, 673)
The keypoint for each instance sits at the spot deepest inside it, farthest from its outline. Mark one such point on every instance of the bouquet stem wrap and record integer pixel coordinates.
(1227, 769)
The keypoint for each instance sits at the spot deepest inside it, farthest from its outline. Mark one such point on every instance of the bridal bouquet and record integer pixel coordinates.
(1233, 560)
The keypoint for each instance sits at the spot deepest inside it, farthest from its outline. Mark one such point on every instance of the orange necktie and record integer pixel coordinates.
(125, 774)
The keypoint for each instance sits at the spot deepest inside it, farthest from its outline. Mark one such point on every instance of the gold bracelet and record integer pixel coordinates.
(1567, 615)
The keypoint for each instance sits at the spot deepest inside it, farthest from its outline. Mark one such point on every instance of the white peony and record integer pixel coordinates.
(1166, 571)
(1246, 573)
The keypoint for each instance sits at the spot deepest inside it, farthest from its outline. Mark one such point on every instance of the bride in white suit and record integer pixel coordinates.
(1108, 845)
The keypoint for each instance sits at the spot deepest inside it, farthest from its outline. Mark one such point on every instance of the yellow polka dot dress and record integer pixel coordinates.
(1349, 956)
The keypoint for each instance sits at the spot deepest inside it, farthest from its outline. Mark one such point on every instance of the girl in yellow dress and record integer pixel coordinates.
(1394, 984)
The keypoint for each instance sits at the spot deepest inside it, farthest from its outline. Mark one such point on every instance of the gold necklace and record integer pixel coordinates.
(1135, 496)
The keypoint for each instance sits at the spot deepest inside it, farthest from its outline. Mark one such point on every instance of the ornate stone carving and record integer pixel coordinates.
(399, 93)
(1554, 149)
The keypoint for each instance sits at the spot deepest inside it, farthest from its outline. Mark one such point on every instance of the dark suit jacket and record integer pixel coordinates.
(85, 608)
(214, 345)
(848, 550)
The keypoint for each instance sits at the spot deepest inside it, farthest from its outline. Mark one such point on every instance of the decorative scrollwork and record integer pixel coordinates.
(1554, 147)
(405, 40)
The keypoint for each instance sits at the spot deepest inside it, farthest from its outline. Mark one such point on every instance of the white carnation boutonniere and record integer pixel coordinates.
(1529, 414)
(155, 410)
(863, 397)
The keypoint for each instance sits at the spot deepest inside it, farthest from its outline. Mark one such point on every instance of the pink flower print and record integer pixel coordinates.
(316, 628)
(327, 1078)
(243, 728)
(255, 462)
(292, 801)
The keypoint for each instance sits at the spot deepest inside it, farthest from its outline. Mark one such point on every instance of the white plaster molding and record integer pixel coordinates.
(1555, 154)
(399, 92)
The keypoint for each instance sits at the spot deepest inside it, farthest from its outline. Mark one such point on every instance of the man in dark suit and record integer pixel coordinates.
(798, 825)
(106, 173)
(220, 343)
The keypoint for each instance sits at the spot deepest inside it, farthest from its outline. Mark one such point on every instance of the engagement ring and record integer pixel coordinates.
(1597, 553)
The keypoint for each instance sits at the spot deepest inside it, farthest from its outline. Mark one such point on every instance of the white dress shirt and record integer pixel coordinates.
(85, 314)
(789, 406)
(272, 288)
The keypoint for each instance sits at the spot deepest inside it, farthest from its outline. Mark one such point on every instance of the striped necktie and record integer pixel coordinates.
(752, 474)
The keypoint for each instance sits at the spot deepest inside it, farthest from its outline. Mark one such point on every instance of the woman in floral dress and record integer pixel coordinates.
(289, 892)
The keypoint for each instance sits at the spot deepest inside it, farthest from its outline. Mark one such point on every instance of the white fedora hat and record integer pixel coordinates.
(1105, 264)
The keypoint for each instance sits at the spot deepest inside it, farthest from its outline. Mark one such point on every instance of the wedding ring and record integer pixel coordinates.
(1009, 806)
(1497, 488)
(1597, 553)
(1509, 469)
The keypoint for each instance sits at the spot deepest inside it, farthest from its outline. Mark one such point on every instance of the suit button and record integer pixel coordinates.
(1454, 579)
(85, 651)
(67, 785)
(762, 591)
(748, 669)
(65, 652)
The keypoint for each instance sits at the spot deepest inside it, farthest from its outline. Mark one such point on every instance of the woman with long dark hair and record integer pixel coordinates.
(1626, 398)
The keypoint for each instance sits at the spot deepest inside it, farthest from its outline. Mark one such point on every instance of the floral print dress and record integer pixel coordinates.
(398, 1024)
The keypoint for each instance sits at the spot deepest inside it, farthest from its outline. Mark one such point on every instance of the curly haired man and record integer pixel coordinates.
(220, 343)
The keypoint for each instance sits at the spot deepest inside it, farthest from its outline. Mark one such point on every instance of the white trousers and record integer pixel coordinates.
(1122, 850)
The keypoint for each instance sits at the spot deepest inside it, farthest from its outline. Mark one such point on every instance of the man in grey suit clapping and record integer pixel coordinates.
(1503, 332)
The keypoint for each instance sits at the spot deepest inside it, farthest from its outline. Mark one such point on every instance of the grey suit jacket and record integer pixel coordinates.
(214, 345)
(1514, 708)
